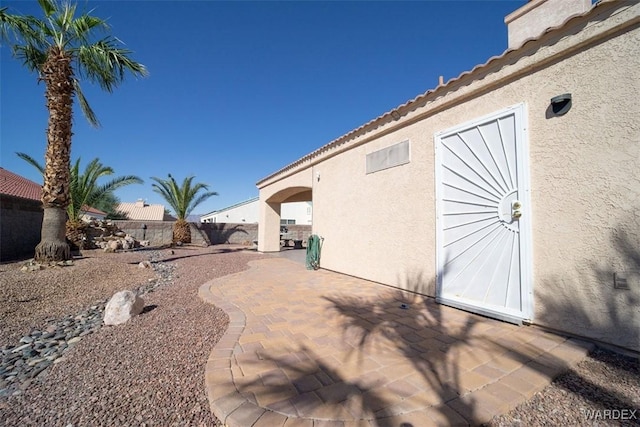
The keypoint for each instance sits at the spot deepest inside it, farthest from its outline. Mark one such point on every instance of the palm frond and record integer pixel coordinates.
(48, 7)
(105, 64)
(168, 190)
(107, 203)
(16, 29)
(84, 105)
(102, 191)
(32, 57)
(33, 162)
(84, 188)
(184, 198)
(81, 27)
(73, 210)
(201, 198)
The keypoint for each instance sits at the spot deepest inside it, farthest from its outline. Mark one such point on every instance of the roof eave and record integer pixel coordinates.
(442, 89)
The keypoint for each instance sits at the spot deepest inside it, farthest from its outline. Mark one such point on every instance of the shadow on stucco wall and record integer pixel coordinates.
(599, 312)
(219, 233)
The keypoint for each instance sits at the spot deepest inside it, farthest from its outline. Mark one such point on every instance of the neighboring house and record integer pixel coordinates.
(248, 212)
(20, 216)
(193, 218)
(141, 211)
(512, 190)
(92, 214)
(17, 186)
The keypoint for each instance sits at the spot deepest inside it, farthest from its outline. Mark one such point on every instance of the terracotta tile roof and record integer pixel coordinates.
(140, 211)
(17, 186)
(90, 210)
(441, 88)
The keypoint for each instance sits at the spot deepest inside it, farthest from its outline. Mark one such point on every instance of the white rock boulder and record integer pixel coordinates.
(121, 307)
(144, 264)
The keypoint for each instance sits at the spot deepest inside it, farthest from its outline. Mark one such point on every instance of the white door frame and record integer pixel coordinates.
(519, 112)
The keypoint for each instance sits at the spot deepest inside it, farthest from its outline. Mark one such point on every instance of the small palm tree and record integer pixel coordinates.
(56, 47)
(183, 200)
(84, 190)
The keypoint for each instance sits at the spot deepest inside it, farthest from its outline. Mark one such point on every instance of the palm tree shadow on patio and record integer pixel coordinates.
(398, 327)
(416, 328)
(429, 337)
(316, 390)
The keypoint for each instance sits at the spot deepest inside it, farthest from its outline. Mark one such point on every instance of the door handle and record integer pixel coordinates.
(516, 209)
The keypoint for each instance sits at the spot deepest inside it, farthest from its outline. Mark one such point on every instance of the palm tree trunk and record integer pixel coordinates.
(181, 231)
(53, 245)
(57, 75)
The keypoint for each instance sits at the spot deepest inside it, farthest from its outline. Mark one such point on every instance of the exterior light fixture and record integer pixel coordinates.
(561, 104)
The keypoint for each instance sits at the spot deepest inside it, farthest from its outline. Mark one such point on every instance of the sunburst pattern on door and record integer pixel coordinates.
(479, 214)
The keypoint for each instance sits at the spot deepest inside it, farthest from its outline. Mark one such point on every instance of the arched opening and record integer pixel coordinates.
(275, 228)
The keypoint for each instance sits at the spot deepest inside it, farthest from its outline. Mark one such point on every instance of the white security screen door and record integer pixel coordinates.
(483, 216)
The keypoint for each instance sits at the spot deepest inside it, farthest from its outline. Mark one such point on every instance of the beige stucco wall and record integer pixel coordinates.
(586, 193)
(585, 180)
(375, 226)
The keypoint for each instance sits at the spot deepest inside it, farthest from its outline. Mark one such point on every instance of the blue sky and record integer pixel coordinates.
(238, 90)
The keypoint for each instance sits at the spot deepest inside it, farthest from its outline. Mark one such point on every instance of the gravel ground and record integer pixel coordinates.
(27, 299)
(604, 381)
(149, 372)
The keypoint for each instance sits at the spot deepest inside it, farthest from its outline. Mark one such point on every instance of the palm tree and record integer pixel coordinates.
(84, 190)
(55, 47)
(109, 204)
(183, 199)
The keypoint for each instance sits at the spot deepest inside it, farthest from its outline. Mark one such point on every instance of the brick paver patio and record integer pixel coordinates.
(317, 348)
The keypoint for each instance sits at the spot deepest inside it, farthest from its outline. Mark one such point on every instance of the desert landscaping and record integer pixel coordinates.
(150, 370)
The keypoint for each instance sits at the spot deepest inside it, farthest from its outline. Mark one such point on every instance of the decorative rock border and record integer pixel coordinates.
(25, 362)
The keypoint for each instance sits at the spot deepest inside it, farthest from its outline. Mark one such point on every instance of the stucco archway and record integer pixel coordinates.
(293, 188)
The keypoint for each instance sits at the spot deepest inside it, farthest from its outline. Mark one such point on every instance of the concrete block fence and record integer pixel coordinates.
(20, 227)
(161, 232)
(21, 224)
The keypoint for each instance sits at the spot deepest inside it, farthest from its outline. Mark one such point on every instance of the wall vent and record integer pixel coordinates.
(389, 157)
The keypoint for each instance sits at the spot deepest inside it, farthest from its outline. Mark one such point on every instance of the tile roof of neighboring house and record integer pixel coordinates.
(441, 88)
(140, 211)
(17, 186)
(90, 210)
